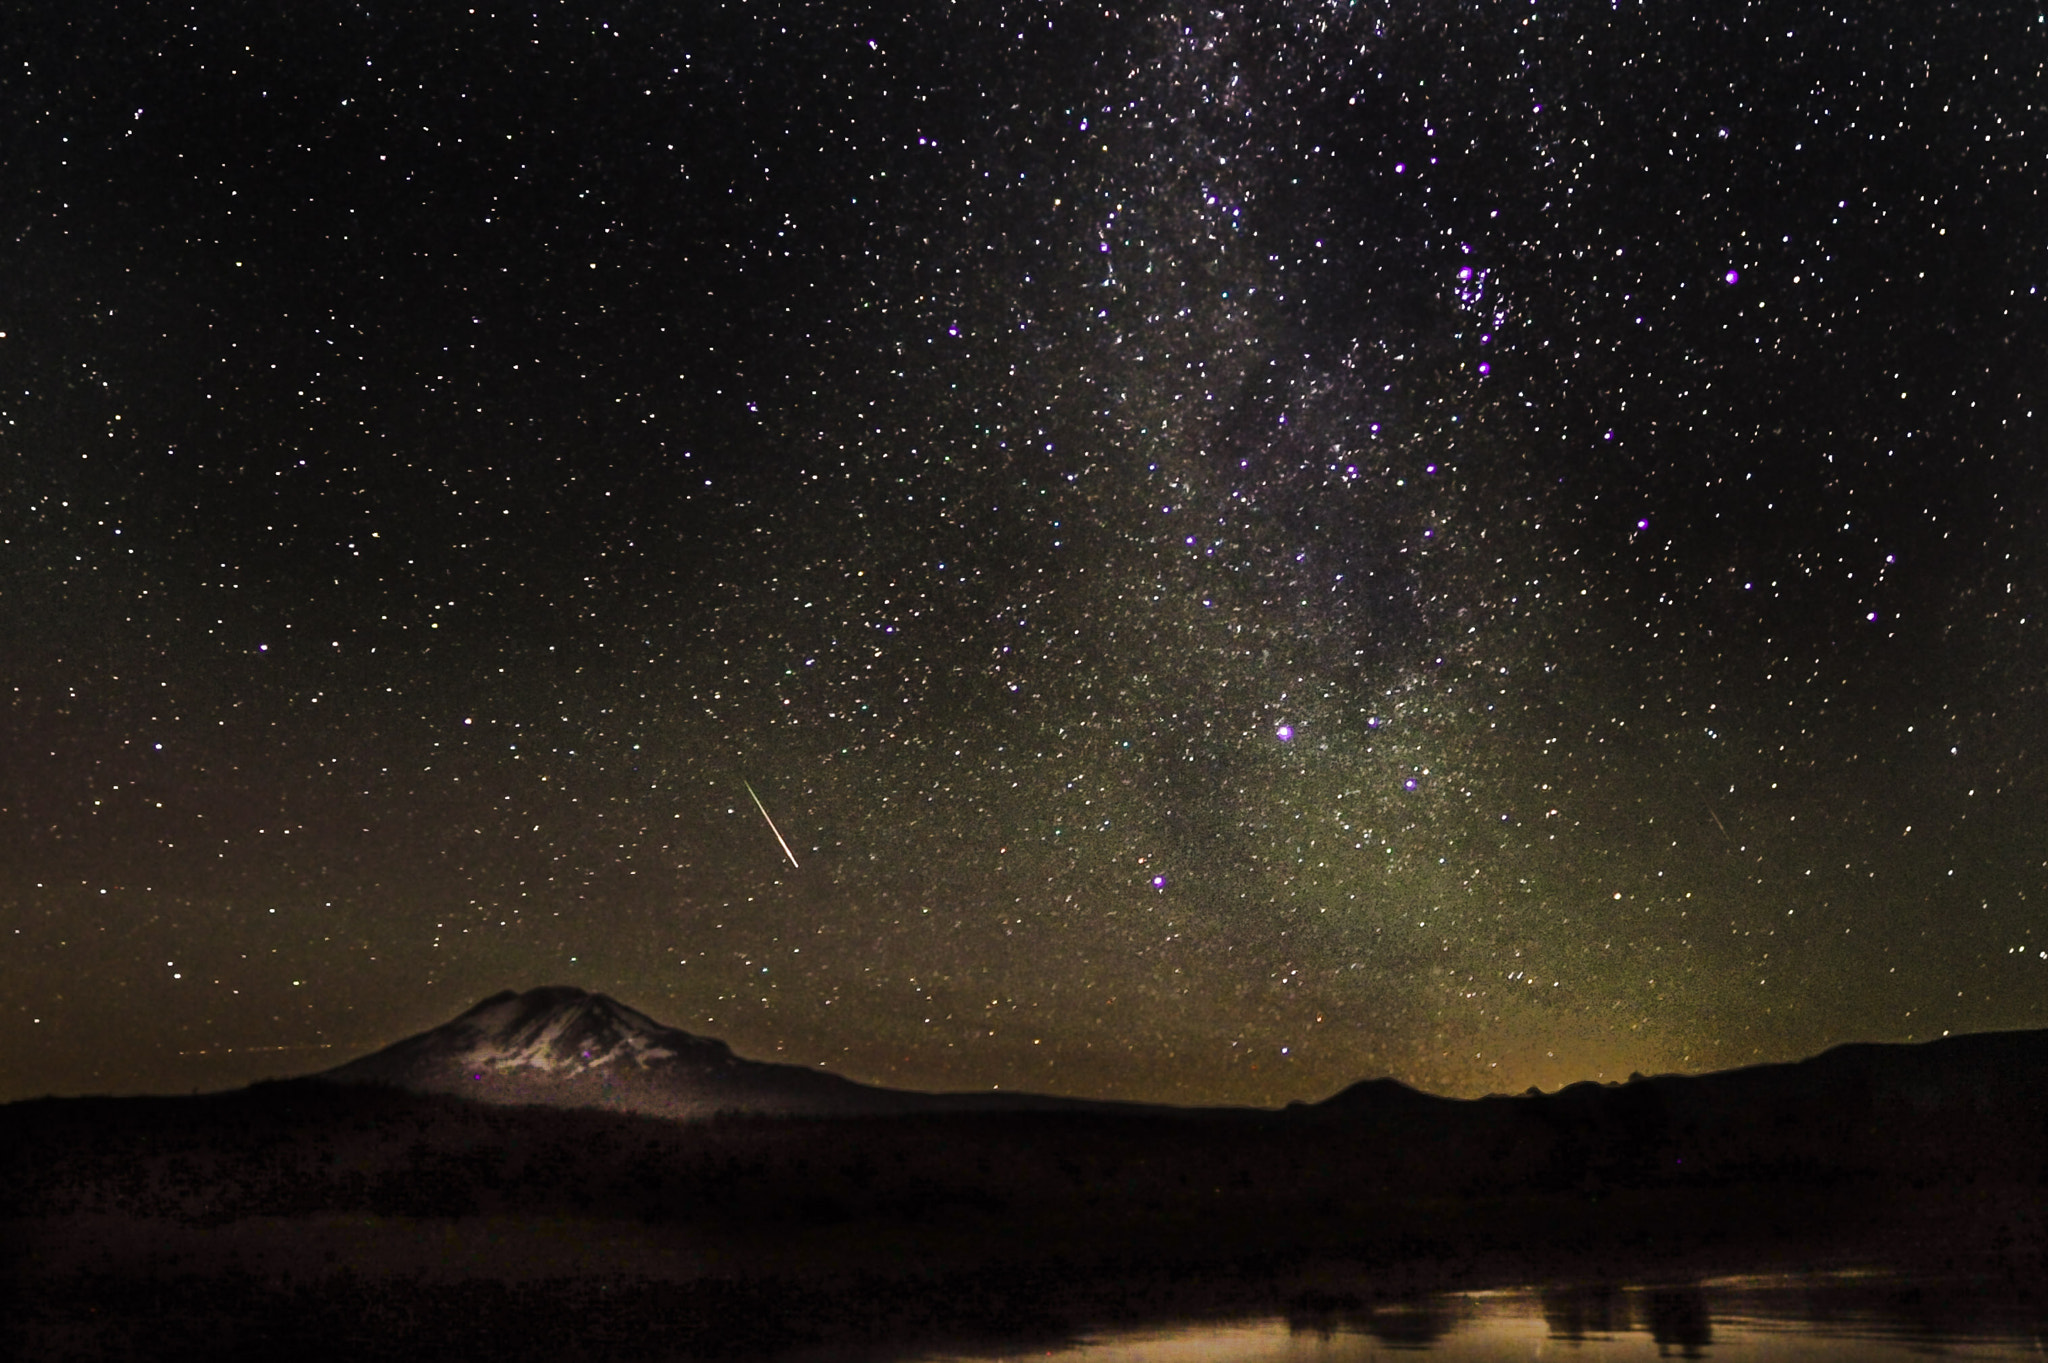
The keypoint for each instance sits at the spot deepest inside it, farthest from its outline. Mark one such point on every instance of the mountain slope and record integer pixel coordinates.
(562, 1047)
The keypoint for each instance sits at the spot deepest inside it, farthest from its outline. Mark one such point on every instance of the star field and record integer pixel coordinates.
(1243, 549)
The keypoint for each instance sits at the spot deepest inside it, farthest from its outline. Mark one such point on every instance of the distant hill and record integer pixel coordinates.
(1923, 1111)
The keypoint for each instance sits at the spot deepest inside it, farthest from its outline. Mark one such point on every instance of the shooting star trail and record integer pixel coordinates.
(771, 823)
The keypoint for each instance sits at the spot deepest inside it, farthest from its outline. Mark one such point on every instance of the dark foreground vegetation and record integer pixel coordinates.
(314, 1220)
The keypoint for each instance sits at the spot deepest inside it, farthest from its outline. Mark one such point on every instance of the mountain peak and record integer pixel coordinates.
(556, 1032)
(560, 1029)
(563, 1046)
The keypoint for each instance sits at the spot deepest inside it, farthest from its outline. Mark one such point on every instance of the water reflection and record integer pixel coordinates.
(1580, 1313)
(1413, 1324)
(1817, 1319)
(1679, 1320)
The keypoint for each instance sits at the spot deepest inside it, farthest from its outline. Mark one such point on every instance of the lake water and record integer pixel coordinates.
(1822, 1319)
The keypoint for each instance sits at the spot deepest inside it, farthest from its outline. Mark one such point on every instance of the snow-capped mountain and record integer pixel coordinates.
(563, 1047)
(557, 1030)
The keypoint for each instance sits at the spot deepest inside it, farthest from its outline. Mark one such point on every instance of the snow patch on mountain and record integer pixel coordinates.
(564, 1031)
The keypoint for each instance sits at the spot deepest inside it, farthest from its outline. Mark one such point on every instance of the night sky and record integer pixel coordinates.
(1243, 548)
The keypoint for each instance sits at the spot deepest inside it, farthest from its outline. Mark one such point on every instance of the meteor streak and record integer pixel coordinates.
(771, 823)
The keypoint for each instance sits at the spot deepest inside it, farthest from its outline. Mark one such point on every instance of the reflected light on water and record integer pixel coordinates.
(1821, 1319)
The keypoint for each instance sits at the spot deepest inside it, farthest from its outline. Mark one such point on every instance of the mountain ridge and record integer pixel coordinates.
(562, 1046)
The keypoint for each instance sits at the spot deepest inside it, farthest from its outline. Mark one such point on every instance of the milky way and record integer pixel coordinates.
(1243, 549)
